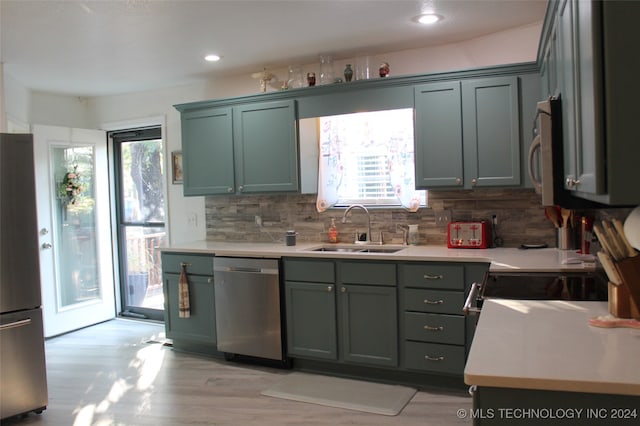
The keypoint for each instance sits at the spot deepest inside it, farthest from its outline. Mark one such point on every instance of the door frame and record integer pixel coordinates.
(119, 126)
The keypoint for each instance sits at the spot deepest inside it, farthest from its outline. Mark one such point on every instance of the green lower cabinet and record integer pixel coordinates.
(311, 320)
(200, 327)
(345, 323)
(369, 324)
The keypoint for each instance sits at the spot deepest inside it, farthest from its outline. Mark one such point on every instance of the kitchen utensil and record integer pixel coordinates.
(614, 240)
(605, 243)
(609, 268)
(566, 216)
(631, 252)
(551, 212)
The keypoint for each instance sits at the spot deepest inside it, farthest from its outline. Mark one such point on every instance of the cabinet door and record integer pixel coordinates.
(369, 324)
(201, 324)
(311, 320)
(567, 84)
(549, 66)
(438, 135)
(266, 147)
(491, 132)
(207, 151)
(590, 149)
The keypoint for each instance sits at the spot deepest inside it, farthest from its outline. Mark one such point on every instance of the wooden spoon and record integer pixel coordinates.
(552, 213)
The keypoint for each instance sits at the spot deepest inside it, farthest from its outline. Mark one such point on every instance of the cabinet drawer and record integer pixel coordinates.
(309, 270)
(436, 301)
(196, 264)
(434, 328)
(434, 357)
(367, 273)
(449, 277)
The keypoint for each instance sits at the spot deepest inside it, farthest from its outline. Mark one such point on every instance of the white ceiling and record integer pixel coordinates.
(92, 48)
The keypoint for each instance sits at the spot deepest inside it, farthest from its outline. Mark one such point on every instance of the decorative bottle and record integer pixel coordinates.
(326, 69)
(348, 73)
(333, 232)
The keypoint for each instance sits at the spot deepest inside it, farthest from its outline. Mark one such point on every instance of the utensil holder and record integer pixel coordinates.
(629, 271)
(620, 303)
(565, 238)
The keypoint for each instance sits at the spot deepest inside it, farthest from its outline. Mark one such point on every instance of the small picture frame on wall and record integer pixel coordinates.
(176, 166)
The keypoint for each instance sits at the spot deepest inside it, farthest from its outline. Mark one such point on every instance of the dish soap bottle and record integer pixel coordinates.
(414, 236)
(333, 232)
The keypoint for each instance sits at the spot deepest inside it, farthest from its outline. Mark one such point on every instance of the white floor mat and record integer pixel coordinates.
(357, 395)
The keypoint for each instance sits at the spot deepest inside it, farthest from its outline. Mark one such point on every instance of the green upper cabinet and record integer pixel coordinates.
(491, 131)
(468, 133)
(266, 147)
(438, 135)
(585, 44)
(246, 148)
(207, 151)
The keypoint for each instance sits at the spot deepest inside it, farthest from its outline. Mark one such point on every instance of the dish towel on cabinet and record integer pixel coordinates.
(183, 294)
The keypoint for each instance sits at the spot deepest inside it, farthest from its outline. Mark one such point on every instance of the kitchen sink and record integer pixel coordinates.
(357, 249)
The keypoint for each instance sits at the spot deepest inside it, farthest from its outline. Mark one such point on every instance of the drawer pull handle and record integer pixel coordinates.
(184, 264)
(430, 328)
(433, 302)
(434, 358)
(433, 277)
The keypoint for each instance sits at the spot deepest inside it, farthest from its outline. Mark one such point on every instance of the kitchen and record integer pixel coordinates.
(507, 205)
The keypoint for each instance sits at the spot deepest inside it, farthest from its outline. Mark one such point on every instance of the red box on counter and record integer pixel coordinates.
(469, 234)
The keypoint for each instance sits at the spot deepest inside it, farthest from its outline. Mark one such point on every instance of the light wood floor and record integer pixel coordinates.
(116, 373)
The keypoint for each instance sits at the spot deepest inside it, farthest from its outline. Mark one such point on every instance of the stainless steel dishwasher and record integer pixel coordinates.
(248, 307)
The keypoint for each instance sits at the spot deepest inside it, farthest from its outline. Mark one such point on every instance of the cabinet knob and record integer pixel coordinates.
(343, 290)
(330, 288)
(229, 190)
(458, 181)
(474, 181)
(241, 188)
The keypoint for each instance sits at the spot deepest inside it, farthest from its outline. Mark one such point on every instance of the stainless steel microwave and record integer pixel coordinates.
(545, 164)
(545, 153)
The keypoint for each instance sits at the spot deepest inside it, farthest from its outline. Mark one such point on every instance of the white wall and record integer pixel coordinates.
(512, 46)
(16, 101)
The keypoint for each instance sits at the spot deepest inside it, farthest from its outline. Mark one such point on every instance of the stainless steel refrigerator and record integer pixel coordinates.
(23, 380)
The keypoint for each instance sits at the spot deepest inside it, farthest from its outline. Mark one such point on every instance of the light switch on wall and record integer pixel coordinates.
(443, 217)
(192, 219)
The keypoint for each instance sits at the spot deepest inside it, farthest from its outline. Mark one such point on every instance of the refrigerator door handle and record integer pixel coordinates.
(15, 324)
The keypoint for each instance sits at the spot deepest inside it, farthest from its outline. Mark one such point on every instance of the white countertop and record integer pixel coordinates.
(549, 345)
(501, 259)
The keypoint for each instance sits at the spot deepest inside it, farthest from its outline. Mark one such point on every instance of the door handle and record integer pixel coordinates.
(15, 324)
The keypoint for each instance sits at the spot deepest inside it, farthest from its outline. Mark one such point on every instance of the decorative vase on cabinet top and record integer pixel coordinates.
(348, 73)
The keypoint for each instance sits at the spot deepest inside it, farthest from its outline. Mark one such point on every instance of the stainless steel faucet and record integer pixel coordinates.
(344, 220)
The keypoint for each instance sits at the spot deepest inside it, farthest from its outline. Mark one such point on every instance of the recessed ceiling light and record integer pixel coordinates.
(212, 58)
(428, 18)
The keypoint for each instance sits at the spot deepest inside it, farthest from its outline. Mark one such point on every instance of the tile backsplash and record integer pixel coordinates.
(521, 218)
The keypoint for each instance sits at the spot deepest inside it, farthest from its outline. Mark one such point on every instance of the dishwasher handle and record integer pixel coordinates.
(262, 271)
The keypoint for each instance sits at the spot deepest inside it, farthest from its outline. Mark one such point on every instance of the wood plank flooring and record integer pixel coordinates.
(120, 373)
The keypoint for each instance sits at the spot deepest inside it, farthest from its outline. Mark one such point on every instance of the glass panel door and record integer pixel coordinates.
(141, 220)
(72, 191)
